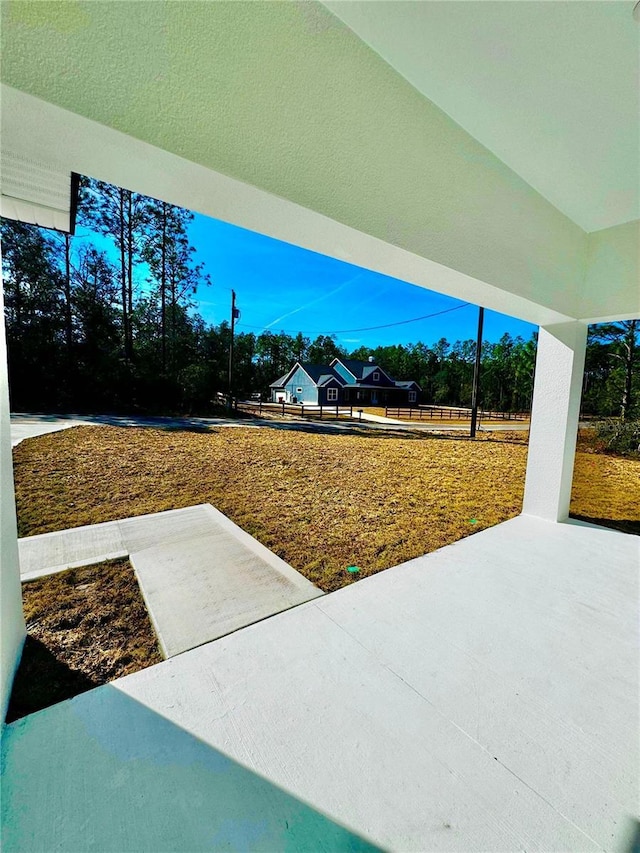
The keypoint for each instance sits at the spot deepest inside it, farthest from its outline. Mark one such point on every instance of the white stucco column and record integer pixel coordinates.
(12, 626)
(554, 420)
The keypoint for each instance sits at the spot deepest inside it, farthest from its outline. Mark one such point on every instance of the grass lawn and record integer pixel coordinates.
(85, 627)
(322, 502)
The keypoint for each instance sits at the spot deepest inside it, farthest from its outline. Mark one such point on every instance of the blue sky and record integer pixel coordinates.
(282, 287)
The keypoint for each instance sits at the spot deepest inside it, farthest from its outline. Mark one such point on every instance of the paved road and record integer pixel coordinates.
(25, 425)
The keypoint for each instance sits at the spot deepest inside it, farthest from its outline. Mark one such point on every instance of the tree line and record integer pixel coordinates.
(108, 322)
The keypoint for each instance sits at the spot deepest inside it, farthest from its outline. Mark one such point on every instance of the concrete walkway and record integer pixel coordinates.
(201, 576)
(480, 698)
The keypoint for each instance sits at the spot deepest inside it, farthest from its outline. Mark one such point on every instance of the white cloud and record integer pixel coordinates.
(314, 301)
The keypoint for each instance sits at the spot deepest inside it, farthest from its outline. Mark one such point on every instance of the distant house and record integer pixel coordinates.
(343, 382)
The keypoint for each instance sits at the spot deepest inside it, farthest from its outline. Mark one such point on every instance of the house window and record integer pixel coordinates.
(412, 396)
(298, 390)
(332, 395)
(376, 376)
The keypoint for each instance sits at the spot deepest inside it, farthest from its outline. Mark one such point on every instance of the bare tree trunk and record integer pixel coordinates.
(123, 276)
(130, 253)
(629, 345)
(173, 319)
(163, 288)
(67, 296)
(17, 302)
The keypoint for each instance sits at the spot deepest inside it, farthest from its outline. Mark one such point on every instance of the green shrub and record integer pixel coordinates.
(619, 436)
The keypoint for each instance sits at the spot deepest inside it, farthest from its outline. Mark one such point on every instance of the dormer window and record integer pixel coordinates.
(376, 376)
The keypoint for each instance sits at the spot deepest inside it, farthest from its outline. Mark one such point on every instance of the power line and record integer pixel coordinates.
(369, 328)
(402, 322)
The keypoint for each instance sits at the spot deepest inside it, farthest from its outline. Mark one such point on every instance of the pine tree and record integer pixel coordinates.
(121, 215)
(168, 252)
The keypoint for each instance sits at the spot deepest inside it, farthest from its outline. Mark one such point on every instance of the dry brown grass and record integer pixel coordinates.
(85, 627)
(606, 486)
(320, 501)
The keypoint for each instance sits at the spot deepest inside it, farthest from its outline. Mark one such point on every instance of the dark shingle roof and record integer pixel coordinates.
(356, 366)
(363, 369)
(406, 383)
(321, 373)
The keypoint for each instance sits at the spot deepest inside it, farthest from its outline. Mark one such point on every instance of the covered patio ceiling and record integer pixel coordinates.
(278, 117)
(551, 88)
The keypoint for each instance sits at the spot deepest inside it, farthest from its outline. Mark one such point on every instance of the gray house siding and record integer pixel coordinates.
(342, 370)
(300, 380)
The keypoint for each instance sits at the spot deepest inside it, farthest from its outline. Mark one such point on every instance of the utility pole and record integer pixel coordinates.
(476, 375)
(234, 316)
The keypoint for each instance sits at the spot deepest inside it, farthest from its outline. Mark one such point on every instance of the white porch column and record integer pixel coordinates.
(554, 420)
(12, 627)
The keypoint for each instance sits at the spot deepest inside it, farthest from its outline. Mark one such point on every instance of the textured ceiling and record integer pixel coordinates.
(551, 88)
(286, 98)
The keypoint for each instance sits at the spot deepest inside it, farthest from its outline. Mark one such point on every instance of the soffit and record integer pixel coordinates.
(286, 98)
(36, 192)
(551, 88)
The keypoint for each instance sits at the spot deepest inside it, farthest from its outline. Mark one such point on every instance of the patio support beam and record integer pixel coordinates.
(12, 624)
(554, 420)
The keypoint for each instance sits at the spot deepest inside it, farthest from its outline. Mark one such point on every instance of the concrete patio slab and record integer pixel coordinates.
(484, 697)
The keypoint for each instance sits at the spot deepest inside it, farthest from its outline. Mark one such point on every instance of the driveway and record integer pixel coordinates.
(24, 425)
